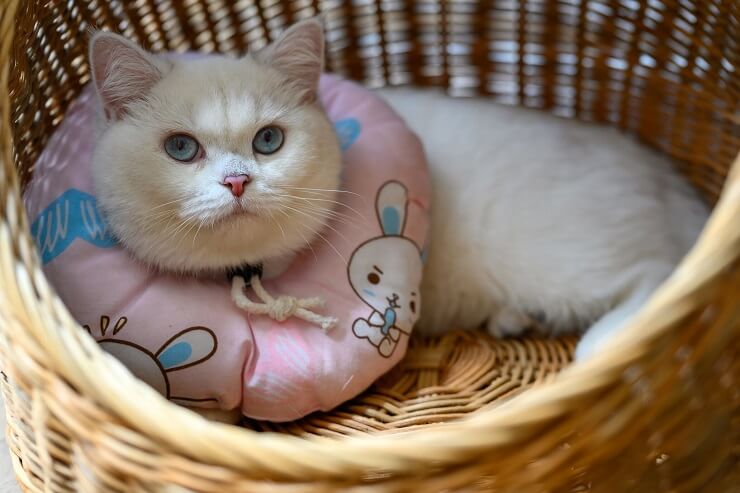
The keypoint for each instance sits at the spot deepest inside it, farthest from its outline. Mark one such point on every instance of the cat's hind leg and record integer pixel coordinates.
(507, 322)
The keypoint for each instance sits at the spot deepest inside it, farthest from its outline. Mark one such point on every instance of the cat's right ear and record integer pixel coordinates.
(122, 72)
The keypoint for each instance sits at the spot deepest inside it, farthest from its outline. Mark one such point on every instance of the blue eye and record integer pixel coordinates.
(268, 140)
(181, 147)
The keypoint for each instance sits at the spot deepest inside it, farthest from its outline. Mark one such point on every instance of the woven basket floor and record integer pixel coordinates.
(659, 413)
(440, 379)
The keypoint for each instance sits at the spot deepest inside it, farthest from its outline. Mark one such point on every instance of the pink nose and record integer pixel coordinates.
(236, 183)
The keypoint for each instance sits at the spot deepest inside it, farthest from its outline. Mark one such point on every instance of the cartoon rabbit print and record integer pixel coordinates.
(189, 347)
(385, 272)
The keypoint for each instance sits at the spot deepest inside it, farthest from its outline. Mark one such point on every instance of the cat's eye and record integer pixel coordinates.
(268, 140)
(182, 147)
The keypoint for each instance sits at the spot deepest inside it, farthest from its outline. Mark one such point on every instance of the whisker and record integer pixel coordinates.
(321, 190)
(185, 232)
(330, 227)
(310, 200)
(317, 233)
(308, 243)
(344, 260)
(328, 215)
(277, 223)
(327, 224)
(166, 203)
(196, 233)
(352, 219)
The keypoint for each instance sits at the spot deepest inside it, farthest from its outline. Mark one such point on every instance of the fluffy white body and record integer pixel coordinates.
(537, 216)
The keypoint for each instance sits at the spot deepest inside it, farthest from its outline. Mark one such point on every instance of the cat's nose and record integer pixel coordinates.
(237, 183)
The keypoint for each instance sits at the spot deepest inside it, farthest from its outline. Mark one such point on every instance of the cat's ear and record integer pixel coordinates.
(122, 72)
(298, 53)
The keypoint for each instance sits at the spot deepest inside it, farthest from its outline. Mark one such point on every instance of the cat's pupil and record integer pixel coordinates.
(181, 148)
(268, 140)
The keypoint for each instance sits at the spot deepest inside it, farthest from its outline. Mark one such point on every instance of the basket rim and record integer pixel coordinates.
(402, 451)
(78, 359)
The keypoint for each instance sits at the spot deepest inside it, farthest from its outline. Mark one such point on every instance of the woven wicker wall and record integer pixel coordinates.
(664, 70)
(661, 415)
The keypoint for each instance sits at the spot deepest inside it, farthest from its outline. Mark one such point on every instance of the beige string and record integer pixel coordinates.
(280, 308)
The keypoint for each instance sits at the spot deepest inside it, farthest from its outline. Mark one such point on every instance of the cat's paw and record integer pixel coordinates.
(508, 323)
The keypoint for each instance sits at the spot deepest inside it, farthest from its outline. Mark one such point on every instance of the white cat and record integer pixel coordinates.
(208, 164)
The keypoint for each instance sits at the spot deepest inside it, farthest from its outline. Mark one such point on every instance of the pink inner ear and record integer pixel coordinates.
(123, 72)
(299, 54)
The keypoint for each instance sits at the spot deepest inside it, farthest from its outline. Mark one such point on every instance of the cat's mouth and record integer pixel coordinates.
(236, 212)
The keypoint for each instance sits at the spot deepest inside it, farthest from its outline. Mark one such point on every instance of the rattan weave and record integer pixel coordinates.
(660, 412)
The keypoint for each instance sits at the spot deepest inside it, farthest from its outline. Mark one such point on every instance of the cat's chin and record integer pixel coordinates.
(237, 214)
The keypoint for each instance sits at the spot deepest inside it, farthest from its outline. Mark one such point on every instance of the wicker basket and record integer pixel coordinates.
(661, 412)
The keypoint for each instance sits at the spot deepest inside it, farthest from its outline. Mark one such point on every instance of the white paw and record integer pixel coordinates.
(508, 323)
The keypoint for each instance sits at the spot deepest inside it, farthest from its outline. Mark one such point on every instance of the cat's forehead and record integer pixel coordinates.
(227, 97)
(216, 112)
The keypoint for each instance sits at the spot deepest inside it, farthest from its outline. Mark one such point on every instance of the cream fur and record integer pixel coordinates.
(539, 216)
(179, 217)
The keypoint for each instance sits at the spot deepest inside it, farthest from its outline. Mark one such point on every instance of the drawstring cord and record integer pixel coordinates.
(280, 308)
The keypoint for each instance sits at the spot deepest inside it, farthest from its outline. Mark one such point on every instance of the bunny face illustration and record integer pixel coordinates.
(385, 272)
(189, 347)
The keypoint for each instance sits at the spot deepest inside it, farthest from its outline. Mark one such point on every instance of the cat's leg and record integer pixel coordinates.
(507, 322)
(598, 335)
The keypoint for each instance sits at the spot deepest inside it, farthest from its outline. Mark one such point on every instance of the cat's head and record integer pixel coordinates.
(205, 163)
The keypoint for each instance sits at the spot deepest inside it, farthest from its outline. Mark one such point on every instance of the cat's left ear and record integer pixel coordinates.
(299, 54)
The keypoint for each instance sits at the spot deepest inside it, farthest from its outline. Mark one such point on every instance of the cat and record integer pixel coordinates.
(203, 164)
(542, 222)
(533, 217)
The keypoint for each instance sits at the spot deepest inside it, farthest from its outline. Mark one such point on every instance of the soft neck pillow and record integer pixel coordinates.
(188, 339)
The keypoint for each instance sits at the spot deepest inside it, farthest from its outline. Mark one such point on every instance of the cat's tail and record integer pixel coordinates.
(649, 275)
(686, 215)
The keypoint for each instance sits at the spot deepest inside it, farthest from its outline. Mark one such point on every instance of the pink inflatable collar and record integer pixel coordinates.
(187, 338)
